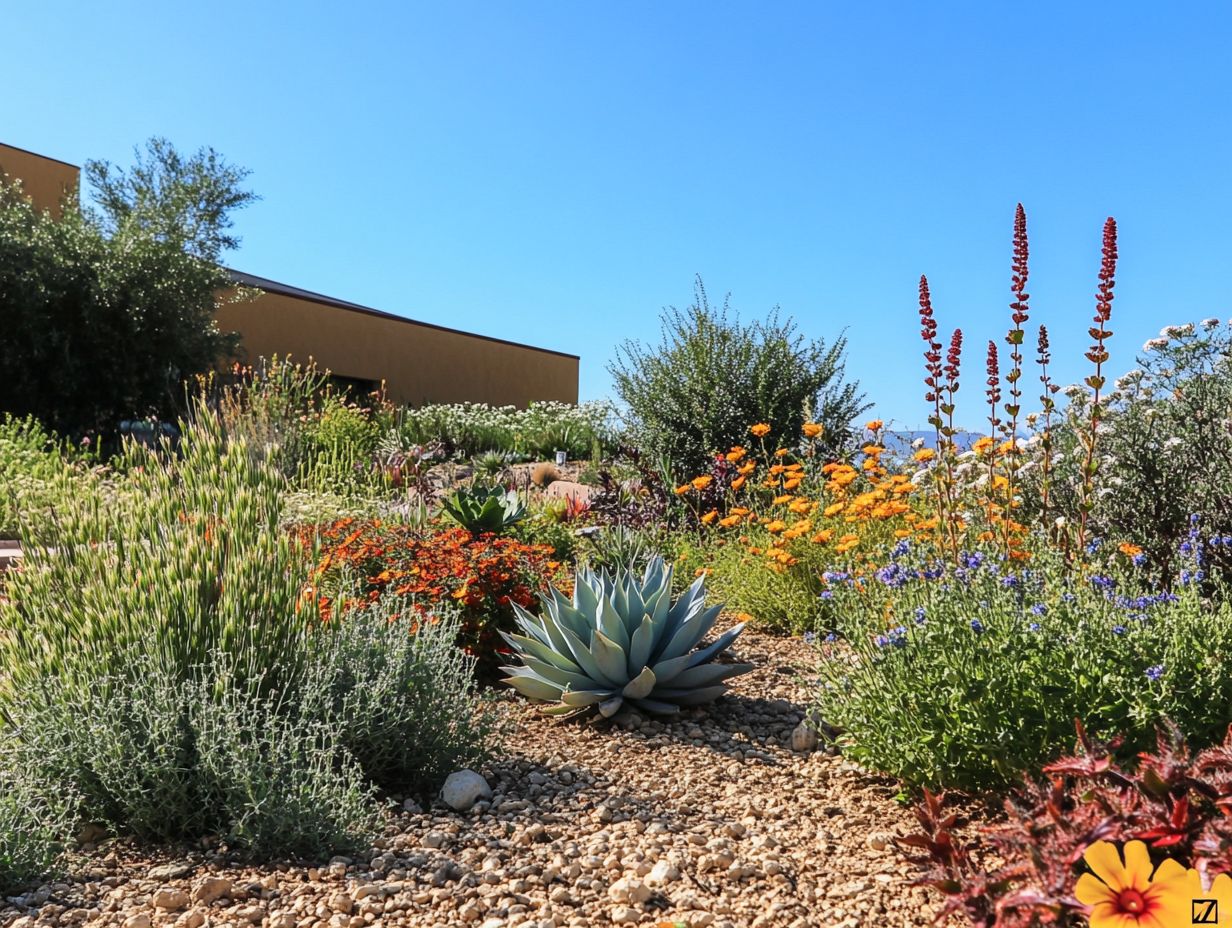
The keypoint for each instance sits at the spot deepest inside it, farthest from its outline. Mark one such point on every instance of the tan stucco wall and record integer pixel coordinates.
(45, 180)
(419, 363)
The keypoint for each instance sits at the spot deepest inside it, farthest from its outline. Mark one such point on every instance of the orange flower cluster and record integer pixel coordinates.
(484, 574)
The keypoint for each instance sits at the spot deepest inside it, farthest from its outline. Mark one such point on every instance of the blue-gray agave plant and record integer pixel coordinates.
(622, 639)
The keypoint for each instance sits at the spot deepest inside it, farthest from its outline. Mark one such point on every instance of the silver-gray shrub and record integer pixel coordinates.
(165, 660)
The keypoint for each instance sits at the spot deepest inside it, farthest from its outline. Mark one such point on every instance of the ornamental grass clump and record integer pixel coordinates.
(622, 640)
(166, 661)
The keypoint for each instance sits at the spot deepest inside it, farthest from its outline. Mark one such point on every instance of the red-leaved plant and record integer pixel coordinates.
(1020, 872)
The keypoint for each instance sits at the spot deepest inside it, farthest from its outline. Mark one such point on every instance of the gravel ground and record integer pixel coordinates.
(712, 820)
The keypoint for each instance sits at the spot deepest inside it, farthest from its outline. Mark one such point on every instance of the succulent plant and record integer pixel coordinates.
(484, 509)
(622, 639)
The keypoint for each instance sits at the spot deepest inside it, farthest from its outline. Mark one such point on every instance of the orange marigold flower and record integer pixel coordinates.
(683, 489)
(780, 452)
(729, 521)
(924, 455)
(710, 516)
(823, 536)
(792, 483)
(833, 509)
(739, 482)
(783, 500)
(776, 526)
(983, 444)
(873, 424)
(760, 430)
(1128, 549)
(700, 483)
(737, 453)
(812, 429)
(747, 469)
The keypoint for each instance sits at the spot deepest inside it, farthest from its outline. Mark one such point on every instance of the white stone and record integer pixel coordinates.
(662, 873)
(627, 890)
(463, 789)
(803, 738)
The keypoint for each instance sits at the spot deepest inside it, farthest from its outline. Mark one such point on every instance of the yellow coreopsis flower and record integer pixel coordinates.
(924, 455)
(983, 444)
(1128, 894)
(760, 430)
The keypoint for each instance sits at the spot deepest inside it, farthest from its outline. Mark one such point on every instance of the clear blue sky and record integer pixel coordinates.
(556, 172)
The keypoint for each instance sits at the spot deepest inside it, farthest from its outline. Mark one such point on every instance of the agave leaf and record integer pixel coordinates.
(528, 683)
(640, 645)
(689, 603)
(611, 623)
(690, 697)
(554, 631)
(611, 658)
(709, 674)
(717, 647)
(641, 685)
(545, 652)
(657, 707)
(585, 599)
(565, 678)
(586, 660)
(579, 698)
(561, 710)
(667, 671)
(690, 633)
(611, 706)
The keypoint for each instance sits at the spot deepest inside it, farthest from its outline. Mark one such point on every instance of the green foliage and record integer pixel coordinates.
(32, 471)
(105, 317)
(712, 376)
(403, 705)
(166, 662)
(185, 201)
(974, 677)
(484, 509)
(1165, 449)
(615, 547)
(193, 561)
(780, 600)
(544, 527)
(468, 430)
(621, 638)
(33, 831)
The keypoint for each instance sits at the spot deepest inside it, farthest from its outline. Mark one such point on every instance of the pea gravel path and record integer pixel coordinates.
(712, 820)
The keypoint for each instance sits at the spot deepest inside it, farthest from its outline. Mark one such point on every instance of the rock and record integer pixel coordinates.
(627, 890)
(171, 871)
(662, 873)
(249, 913)
(434, 840)
(567, 489)
(211, 889)
(193, 918)
(140, 920)
(341, 903)
(282, 920)
(170, 899)
(464, 788)
(622, 915)
(804, 738)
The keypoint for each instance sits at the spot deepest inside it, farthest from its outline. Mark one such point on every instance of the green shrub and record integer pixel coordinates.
(33, 831)
(484, 509)
(167, 662)
(192, 561)
(468, 430)
(971, 676)
(32, 469)
(1165, 446)
(544, 527)
(711, 377)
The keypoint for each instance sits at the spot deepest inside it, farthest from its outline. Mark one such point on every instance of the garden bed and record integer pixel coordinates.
(709, 820)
